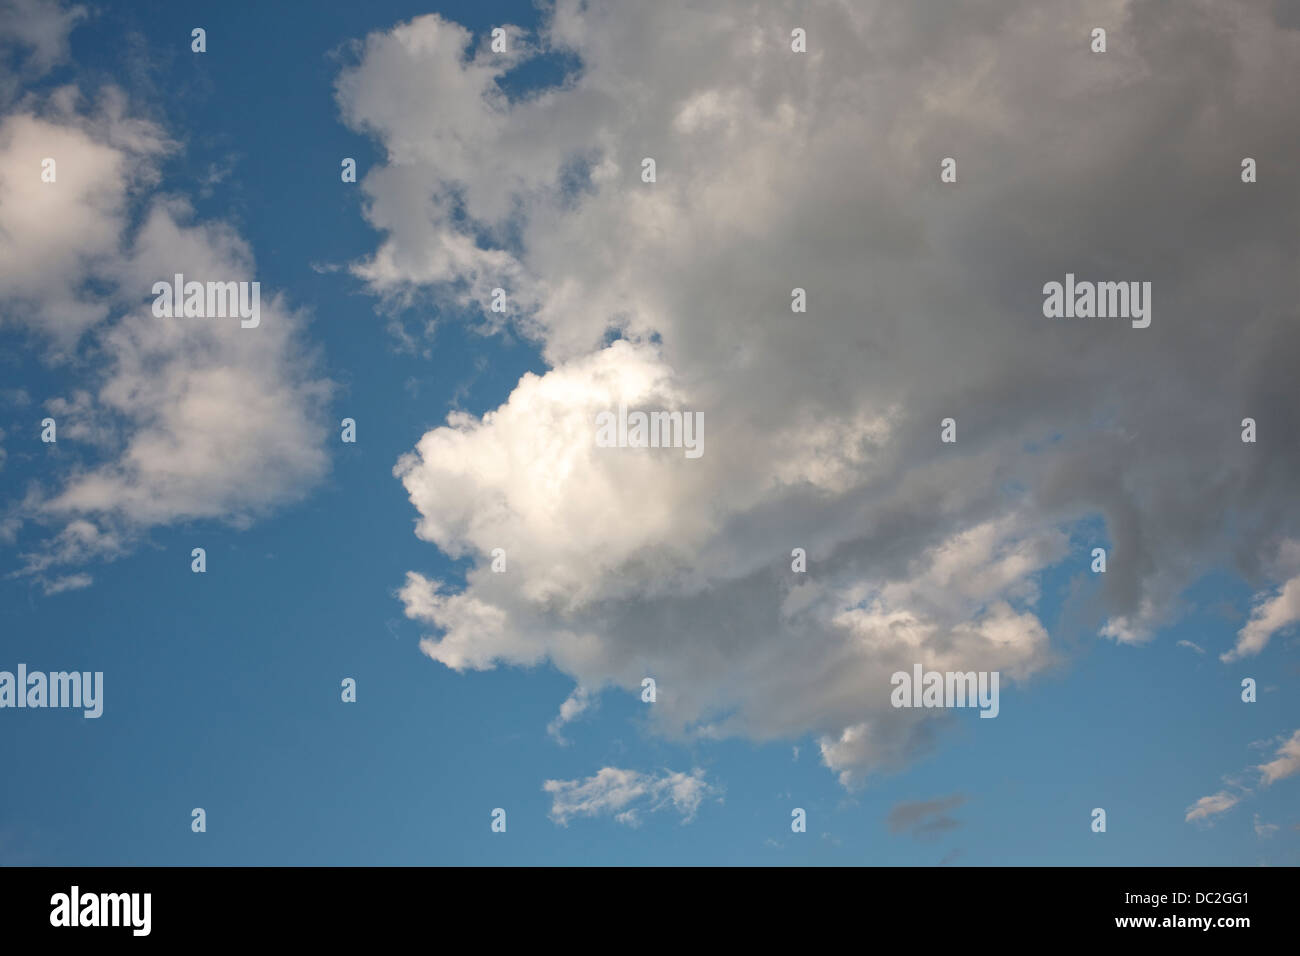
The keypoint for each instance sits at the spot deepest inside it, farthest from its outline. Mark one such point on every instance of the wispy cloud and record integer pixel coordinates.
(577, 704)
(69, 582)
(628, 795)
(1286, 762)
(1270, 615)
(925, 818)
(1211, 806)
(1265, 829)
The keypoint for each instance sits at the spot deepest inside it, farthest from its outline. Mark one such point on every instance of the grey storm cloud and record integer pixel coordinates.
(820, 171)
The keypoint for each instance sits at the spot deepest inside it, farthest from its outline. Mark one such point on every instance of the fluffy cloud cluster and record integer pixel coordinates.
(778, 170)
(170, 419)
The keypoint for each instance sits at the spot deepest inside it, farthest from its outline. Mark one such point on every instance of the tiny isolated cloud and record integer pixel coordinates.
(1264, 830)
(629, 795)
(574, 706)
(925, 817)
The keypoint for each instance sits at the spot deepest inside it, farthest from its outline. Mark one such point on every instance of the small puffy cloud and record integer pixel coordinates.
(56, 239)
(628, 795)
(171, 419)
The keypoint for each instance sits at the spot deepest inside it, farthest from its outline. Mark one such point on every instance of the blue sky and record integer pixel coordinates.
(222, 689)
